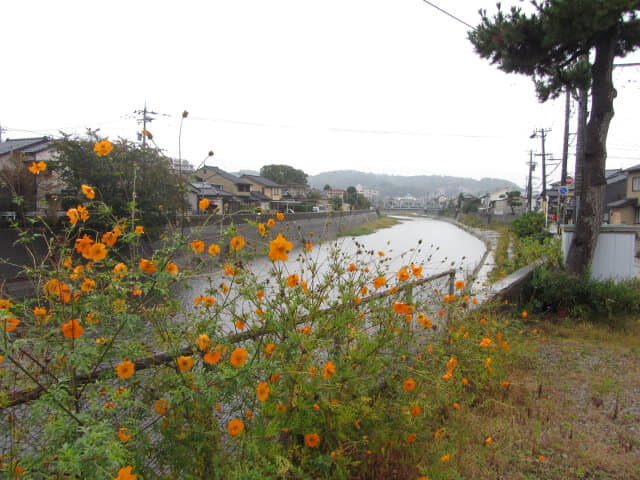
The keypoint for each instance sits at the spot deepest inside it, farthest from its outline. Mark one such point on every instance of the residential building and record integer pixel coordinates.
(267, 187)
(228, 182)
(41, 190)
(625, 210)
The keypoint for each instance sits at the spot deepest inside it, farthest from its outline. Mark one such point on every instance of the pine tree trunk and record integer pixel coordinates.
(589, 221)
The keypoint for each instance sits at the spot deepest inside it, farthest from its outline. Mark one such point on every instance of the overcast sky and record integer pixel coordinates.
(384, 86)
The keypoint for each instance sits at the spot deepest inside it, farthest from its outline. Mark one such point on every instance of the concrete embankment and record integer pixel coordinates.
(295, 227)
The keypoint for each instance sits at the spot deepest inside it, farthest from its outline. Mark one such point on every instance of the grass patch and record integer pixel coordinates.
(571, 398)
(370, 227)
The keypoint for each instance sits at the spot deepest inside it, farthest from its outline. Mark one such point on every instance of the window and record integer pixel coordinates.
(637, 215)
(635, 184)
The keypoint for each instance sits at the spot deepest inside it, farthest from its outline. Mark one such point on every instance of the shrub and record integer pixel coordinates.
(552, 289)
(528, 224)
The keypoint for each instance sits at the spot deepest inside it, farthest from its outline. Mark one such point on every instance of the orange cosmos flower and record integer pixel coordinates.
(381, 254)
(87, 285)
(415, 411)
(197, 246)
(403, 275)
(352, 267)
(147, 266)
(238, 357)
(274, 378)
(125, 369)
(524, 314)
(280, 216)
(10, 323)
(203, 341)
(37, 167)
(488, 441)
(263, 391)
(269, 348)
(120, 270)
(485, 343)
(379, 282)
(83, 244)
(292, 280)
(125, 472)
(328, 370)
(417, 271)
(103, 148)
(39, 312)
(262, 229)
(312, 440)
(72, 213)
(364, 291)
(271, 222)
(235, 427)
(203, 204)
(541, 458)
(139, 229)
(123, 435)
(239, 324)
(212, 357)
(172, 268)
(260, 295)
(225, 289)
(445, 458)
(184, 363)
(88, 191)
(279, 247)
(456, 406)
(213, 250)
(83, 212)
(411, 438)
(309, 246)
(96, 252)
(229, 270)
(110, 238)
(237, 243)
(409, 385)
(72, 329)
(459, 284)
(160, 407)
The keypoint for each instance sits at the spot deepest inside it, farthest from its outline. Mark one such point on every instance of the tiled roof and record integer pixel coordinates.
(232, 178)
(259, 197)
(24, 145)
(261, 180)
(206, 189)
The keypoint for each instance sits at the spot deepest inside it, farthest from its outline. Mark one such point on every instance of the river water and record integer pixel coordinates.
(436, 246)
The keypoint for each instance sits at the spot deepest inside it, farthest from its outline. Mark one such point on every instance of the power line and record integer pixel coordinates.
(449, 14)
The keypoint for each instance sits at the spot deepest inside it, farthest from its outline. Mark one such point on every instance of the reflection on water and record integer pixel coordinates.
(434, 245)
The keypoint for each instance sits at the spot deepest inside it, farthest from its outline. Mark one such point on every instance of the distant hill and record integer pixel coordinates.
(418, 186)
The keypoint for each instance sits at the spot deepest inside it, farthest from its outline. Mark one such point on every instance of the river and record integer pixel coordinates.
(432, 244)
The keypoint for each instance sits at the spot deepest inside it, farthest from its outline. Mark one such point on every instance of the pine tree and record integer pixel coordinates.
(554, 46)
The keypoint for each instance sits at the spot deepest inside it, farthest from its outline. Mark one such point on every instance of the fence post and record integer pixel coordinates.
(452, 279)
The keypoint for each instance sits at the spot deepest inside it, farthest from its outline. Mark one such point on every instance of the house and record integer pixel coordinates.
(39, 191)
(219, 200)
(625, 210)
(226, 181)
(265, 186)
(495, 203)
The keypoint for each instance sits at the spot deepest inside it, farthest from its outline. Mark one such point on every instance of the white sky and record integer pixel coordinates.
(384, 86)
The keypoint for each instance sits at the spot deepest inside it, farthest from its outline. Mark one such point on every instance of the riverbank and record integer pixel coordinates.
(569, 410)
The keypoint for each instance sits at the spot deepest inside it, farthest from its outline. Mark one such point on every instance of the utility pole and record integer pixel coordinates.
(146, 117)
(565, 142)
(529, 186)
(543, 135)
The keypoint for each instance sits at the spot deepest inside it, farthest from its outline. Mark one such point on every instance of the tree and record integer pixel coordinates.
(336, 203)
(283, 174)
(350, 196)
(514, 199)
(113, 176)
(553, 45)
(326, 187)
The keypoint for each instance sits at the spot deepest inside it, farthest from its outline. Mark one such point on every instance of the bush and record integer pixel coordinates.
(552, 289)
(528, 224)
